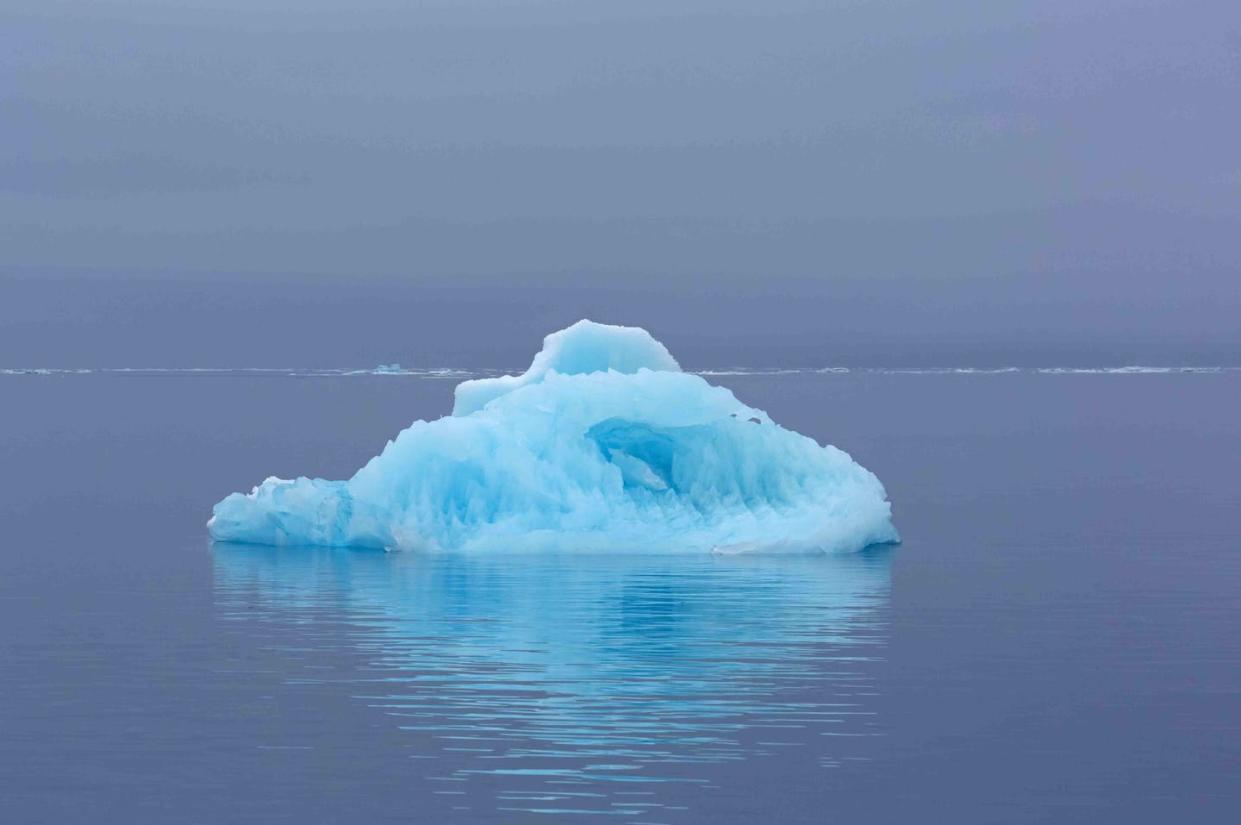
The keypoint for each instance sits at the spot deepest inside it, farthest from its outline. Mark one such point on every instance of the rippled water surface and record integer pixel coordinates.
(1056, 640)
(554, 684)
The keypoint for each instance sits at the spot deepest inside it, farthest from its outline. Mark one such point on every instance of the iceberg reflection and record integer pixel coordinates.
(563, 683)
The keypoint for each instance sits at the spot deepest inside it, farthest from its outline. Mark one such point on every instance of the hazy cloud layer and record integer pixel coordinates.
(1071, 158)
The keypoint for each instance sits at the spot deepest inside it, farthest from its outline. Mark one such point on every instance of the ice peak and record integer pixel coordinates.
(585, 347)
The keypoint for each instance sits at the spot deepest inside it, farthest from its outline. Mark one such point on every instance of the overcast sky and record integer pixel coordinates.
(983, 179)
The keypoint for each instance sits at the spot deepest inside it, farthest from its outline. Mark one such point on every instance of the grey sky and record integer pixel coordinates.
(931, 171)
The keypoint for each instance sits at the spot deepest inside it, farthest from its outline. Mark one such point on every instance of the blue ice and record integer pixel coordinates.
(603, 444)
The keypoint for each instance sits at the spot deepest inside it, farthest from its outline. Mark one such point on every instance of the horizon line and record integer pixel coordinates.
(396, 370)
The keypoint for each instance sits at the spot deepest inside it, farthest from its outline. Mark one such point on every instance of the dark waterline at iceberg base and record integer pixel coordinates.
(1055, 639)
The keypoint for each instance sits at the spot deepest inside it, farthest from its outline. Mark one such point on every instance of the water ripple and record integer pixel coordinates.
(567, 686)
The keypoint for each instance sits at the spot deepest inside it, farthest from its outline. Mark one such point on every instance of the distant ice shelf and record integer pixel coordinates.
(604, 444)
(710, 372)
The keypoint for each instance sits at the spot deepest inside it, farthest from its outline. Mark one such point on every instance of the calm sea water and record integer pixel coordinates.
(1056, 640)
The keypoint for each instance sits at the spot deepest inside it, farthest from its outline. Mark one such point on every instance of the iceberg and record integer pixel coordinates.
(603, 444)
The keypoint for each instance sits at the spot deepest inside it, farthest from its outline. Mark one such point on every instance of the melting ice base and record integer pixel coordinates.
(604, 445)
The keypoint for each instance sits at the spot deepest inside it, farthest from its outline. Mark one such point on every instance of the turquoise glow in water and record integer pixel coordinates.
(578, 680)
